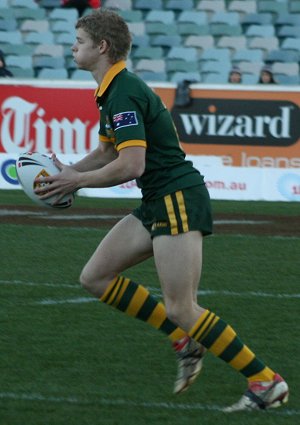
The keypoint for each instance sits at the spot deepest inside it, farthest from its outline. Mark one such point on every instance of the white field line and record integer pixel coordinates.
(154, 290)
(129, 403)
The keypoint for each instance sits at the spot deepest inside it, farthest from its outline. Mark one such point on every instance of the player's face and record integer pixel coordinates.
(86, 54)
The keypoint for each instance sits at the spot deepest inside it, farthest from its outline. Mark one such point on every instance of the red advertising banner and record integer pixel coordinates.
(47, 119)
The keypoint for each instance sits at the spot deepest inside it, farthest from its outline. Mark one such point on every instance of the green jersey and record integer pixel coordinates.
(131, 114)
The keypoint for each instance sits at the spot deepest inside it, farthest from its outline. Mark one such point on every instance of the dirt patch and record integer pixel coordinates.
(100, 217)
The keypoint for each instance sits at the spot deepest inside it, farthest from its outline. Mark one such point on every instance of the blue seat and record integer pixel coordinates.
(147, 5)
(179, 5)
(148, 53)
(230, 18)
(152, 76)
(260, 31)
(81, 75)
(53, 74)
(282, 56)
(223, 55)
(166, 40)
(287, 79)
(248, 55)
(11, 37)
(257, 19)
(187, 54)
(291, 44)
(193, 77)
(288, 31)
(164, 16)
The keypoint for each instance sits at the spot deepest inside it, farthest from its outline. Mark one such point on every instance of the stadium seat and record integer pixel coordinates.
(6, 13)
(179, 5)
(18, 49)
(200, 42)
(248, 55)
(166, 40)
(8, 24)
(288, 19)
(11, 37)
(264, 43)
(24, 3)
(193, 23)
(232, 42)
(214, 66)
(163, 16)
(216, 54)
(117, 4)
(249, 78)
(152, 76)
(294, 6)
(154, 65)
(53, 74)
(21, 72)
(155, 28)
(285, 68)
(291, 44)
(219, 30)
(49, 50)
(20, 61)
(260, 31)
(81, 75)
(62, 26)
(137, 28)
(243, 6)
(187, 54)
(148, 53)
(229, 18)
(256, 19)
(215, 78)
(282, 56)
(141, 40)
(193, 77)
(36, 26)
(50, 4)
(48, 62)
(22, 13)
(147, 5)
(4, 4)
(287, 79)
(131, 15)
(288, 31)
(272, 6)
(38, 38)
(251, 67)
(63, 14)
(211, 6)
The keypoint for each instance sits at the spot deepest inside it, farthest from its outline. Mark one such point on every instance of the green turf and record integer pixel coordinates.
(68, 362)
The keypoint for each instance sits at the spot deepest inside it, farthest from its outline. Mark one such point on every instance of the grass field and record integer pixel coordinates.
(68, 360)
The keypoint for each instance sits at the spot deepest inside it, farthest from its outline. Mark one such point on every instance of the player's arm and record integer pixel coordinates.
(98, 158)
(129, 165)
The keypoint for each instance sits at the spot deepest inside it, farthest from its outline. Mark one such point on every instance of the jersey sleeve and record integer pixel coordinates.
(126, 118)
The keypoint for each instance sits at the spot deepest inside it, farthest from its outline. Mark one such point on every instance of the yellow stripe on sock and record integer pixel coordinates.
(171, 215)
(266, 374)
(242, 359)
(195, 329)
(182, 211)
(177, 334)
(121, 292)
(158, 316)
(209, 326)
(109, 288)
(221, 343)
(137, 301)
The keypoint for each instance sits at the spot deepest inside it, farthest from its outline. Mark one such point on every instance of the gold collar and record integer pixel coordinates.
(109, 76)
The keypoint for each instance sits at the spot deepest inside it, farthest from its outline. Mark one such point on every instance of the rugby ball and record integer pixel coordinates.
(31, 165)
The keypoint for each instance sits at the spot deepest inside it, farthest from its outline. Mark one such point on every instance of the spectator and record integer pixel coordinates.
(4, 72)
(266, 76)
(235, 75)
(81, 5)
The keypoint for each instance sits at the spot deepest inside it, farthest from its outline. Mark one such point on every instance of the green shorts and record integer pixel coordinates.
(179, 212)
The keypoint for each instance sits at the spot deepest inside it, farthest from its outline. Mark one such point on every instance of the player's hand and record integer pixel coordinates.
(60, 184)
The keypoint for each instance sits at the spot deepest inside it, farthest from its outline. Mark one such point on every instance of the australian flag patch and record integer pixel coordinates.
(124, 119)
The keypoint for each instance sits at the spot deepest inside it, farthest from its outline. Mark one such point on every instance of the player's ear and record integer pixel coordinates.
(103, 46)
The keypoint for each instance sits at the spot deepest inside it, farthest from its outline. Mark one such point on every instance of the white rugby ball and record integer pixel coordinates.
(31, 165)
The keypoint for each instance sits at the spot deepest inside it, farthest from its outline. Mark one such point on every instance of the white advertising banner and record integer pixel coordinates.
(223, 182)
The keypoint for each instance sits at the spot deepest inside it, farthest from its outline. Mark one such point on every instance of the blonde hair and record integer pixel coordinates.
(107, 25)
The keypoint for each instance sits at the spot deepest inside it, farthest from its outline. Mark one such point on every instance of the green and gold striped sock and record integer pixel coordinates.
(221, 340)
(136, 301)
